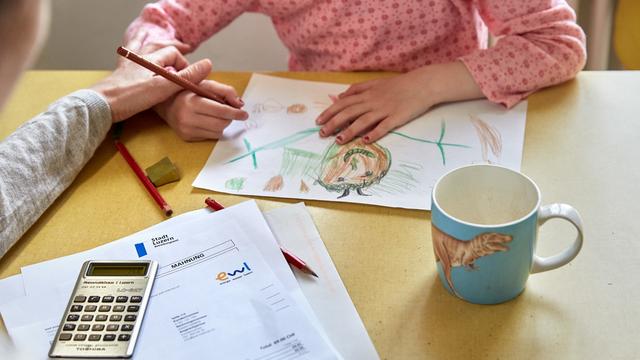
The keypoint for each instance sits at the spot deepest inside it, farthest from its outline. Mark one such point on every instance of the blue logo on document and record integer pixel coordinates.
(141, 250)
(224, 277)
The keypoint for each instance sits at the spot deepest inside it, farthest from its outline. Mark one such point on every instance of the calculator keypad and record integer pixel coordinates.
(111, 323)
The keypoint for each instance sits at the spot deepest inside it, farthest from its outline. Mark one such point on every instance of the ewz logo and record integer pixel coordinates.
(224, 277)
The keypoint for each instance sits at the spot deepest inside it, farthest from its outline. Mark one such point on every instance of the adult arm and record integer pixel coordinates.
(44, 155)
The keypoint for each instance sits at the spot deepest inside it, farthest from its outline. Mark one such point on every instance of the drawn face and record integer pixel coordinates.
(354, 165)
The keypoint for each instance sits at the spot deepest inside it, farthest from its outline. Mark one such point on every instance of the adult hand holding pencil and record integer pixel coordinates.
(201, 112)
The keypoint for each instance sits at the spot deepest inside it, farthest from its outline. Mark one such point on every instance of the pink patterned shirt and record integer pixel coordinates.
(539, 42)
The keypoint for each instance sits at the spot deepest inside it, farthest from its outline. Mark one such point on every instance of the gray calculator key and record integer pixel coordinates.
(87, 318)
(124, 337)
(115, 318)
(133, 308)
(94, 337)
(113, 327)
(83, 327)
(109, 337)
(104, 308)
(101, 318)
(136, 299)
(94, 298)
(118, 308)
(90, 308)
(127, 327)
(107, 299)
(130, 318)
(75, 308)
(80, 337)
(122, 299)
(69, 327)
(97, 327)
(73, 317)
(64, 337)
(79, 299)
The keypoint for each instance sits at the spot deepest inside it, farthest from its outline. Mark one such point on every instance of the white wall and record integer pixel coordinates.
(85, 33)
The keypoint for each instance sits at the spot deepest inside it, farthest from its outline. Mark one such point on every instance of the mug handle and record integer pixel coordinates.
(566, 212)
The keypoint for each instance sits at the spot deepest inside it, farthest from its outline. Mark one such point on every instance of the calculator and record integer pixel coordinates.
(105, 311)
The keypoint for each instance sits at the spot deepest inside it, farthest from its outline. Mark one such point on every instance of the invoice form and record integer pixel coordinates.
(215, 295)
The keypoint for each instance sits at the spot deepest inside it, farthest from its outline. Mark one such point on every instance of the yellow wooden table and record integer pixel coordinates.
(582, 146)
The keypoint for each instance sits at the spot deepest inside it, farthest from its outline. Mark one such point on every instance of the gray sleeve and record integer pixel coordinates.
(43, 156)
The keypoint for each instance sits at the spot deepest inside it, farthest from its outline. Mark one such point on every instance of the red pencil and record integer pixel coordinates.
(159, 70)
(151, 189)
(291, 259)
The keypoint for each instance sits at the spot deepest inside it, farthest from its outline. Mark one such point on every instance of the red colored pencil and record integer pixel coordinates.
(151, 189)
(159, 70)
(290, 257)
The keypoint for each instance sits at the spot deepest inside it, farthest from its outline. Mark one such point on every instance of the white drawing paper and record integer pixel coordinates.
(277, 152)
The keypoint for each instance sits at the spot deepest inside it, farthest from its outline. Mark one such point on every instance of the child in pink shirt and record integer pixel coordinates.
(440, 46)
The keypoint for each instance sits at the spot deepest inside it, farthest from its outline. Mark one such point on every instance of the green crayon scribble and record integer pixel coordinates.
(235, 183)
(297, 162)
(253, 155)
(279, 143)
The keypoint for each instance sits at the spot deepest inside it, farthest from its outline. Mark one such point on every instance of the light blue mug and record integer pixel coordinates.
(485, 221)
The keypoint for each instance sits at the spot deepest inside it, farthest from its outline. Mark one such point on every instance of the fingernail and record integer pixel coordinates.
(322, 133)
(367, 138)
(241, 102)
(339, 138)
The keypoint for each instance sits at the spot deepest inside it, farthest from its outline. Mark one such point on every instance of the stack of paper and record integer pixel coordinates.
(258, 311)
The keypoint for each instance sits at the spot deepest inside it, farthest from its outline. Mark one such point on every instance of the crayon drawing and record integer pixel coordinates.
(281, 154)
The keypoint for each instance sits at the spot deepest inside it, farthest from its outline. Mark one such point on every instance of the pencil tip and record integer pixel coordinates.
(311, 272)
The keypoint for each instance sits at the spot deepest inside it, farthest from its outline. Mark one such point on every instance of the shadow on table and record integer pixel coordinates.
(446, 327)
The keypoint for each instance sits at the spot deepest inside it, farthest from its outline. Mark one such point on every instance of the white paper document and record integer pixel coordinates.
(216, 294)
(277, 152)
(294, 229)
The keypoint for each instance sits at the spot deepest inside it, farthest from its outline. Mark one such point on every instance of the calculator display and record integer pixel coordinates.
(125, 269)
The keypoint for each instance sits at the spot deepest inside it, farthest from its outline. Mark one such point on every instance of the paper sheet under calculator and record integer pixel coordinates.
(215, 296)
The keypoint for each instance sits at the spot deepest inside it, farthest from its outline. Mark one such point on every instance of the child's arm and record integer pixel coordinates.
(185, 24)
(540, 45)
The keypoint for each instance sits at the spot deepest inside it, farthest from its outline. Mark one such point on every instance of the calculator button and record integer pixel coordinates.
(122, 299)
(133, 308)
(69, 327)
(79, 299)
(101, 318)
(113, 327)
(64, 337)
(73, 317)
(90, 308)
(87, 318)
(109, 337)
(136, 299)
(126, 327)
(97, 327)
(94, 337)
(80, 337)
(130, 318)
(118, 308)
(75, 308)
(124, 337)
(94, 298)
(104, 308)
(83, 327)
(115, 318)
(107, 299)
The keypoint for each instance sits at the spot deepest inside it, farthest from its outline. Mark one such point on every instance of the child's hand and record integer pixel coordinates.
(374, 108)
(195, 118)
